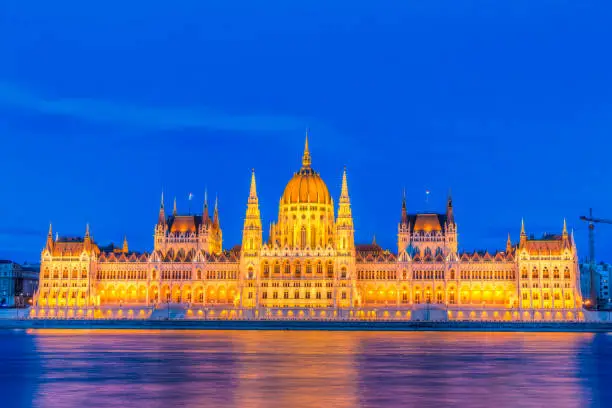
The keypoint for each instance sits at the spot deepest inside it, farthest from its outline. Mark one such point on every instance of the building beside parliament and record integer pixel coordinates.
(309, 268)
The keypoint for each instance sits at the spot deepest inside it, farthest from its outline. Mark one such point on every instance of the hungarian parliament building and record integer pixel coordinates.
(309, 268)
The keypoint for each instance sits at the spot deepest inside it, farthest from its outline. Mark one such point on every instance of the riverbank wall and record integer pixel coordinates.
(329, 325)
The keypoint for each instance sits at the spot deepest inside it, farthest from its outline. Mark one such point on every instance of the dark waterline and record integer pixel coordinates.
(99, 368)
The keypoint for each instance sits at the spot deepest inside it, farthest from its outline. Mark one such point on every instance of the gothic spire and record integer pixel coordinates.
(50, 238)
(564, 228)
(162, 214)
(205, 215)
(404, 220)
(253, 188)
(523, 227)
(216, 212)
(344, 194)
(174, 207)
(306, 159)
(508, 245)
(124, 249)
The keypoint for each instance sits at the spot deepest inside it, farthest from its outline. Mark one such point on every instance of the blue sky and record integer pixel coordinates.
(105, 103)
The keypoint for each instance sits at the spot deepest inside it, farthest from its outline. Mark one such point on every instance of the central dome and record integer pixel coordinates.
(306, 186)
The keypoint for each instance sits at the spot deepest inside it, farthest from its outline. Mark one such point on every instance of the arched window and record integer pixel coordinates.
(534, 273)
(266, 269)
(545, 273)
(298, 269)
(343, 272)
(319, 267)
(303, 237)
(308, 267)
(556, 273)
(524, 274)
(452, 274)
(46, 273)
(566, 273)
(276, 267)
(65, 274)
(330, 269)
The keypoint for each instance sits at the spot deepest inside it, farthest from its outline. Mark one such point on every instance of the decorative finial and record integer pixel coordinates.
(564, 226)
(523, 226)
(174, 207)
(87, 230)
(374, 240)
(162, 199)
(306, 160)
(50, 230)
(125, 245)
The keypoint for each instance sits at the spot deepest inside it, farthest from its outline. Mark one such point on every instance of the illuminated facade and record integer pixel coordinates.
(309, 268)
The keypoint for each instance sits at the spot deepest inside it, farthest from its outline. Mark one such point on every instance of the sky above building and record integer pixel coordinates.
(104, 104)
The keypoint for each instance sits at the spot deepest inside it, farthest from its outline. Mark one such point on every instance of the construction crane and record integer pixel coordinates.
(592, 220)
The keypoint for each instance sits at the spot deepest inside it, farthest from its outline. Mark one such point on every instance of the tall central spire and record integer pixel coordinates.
(306, 160)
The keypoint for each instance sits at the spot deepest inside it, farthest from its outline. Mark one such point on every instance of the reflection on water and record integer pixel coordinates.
(49, 368)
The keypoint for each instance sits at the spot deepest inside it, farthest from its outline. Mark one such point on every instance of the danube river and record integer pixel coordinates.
(80, 368)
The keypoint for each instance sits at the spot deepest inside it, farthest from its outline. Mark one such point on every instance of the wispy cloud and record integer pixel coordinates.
(144, 117)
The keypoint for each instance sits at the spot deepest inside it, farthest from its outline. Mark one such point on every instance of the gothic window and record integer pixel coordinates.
(545, 273)
(330, 269)
(318, 295)
(556, 273)
(264, 295)
(534, 273)
(308, 267)
(298, 269)
(287, 268)
(319, 267)
(303, 237)
(452, 274)
(451, 298)
(343, 272)
(524, 273)
(266, 269)
(566, 273)
(276, 267)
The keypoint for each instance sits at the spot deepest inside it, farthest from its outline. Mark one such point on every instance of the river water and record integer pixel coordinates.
(105, 368)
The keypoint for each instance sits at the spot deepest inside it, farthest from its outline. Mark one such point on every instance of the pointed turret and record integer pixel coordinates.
(253, 188)
(216, 212)
(306, 159)
(404, 219)
(374, 240)
(508, 245)
(564, 233)
(450, 216)
(49, 245)
(87, 238)
(205, 216)
(523, 238)
(162, 214)
(252, 232)
(344, 194)
(344, 222)
(174, 207)
(124, 249)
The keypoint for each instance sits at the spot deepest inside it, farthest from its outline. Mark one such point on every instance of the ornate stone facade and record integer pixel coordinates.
(309, 268)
